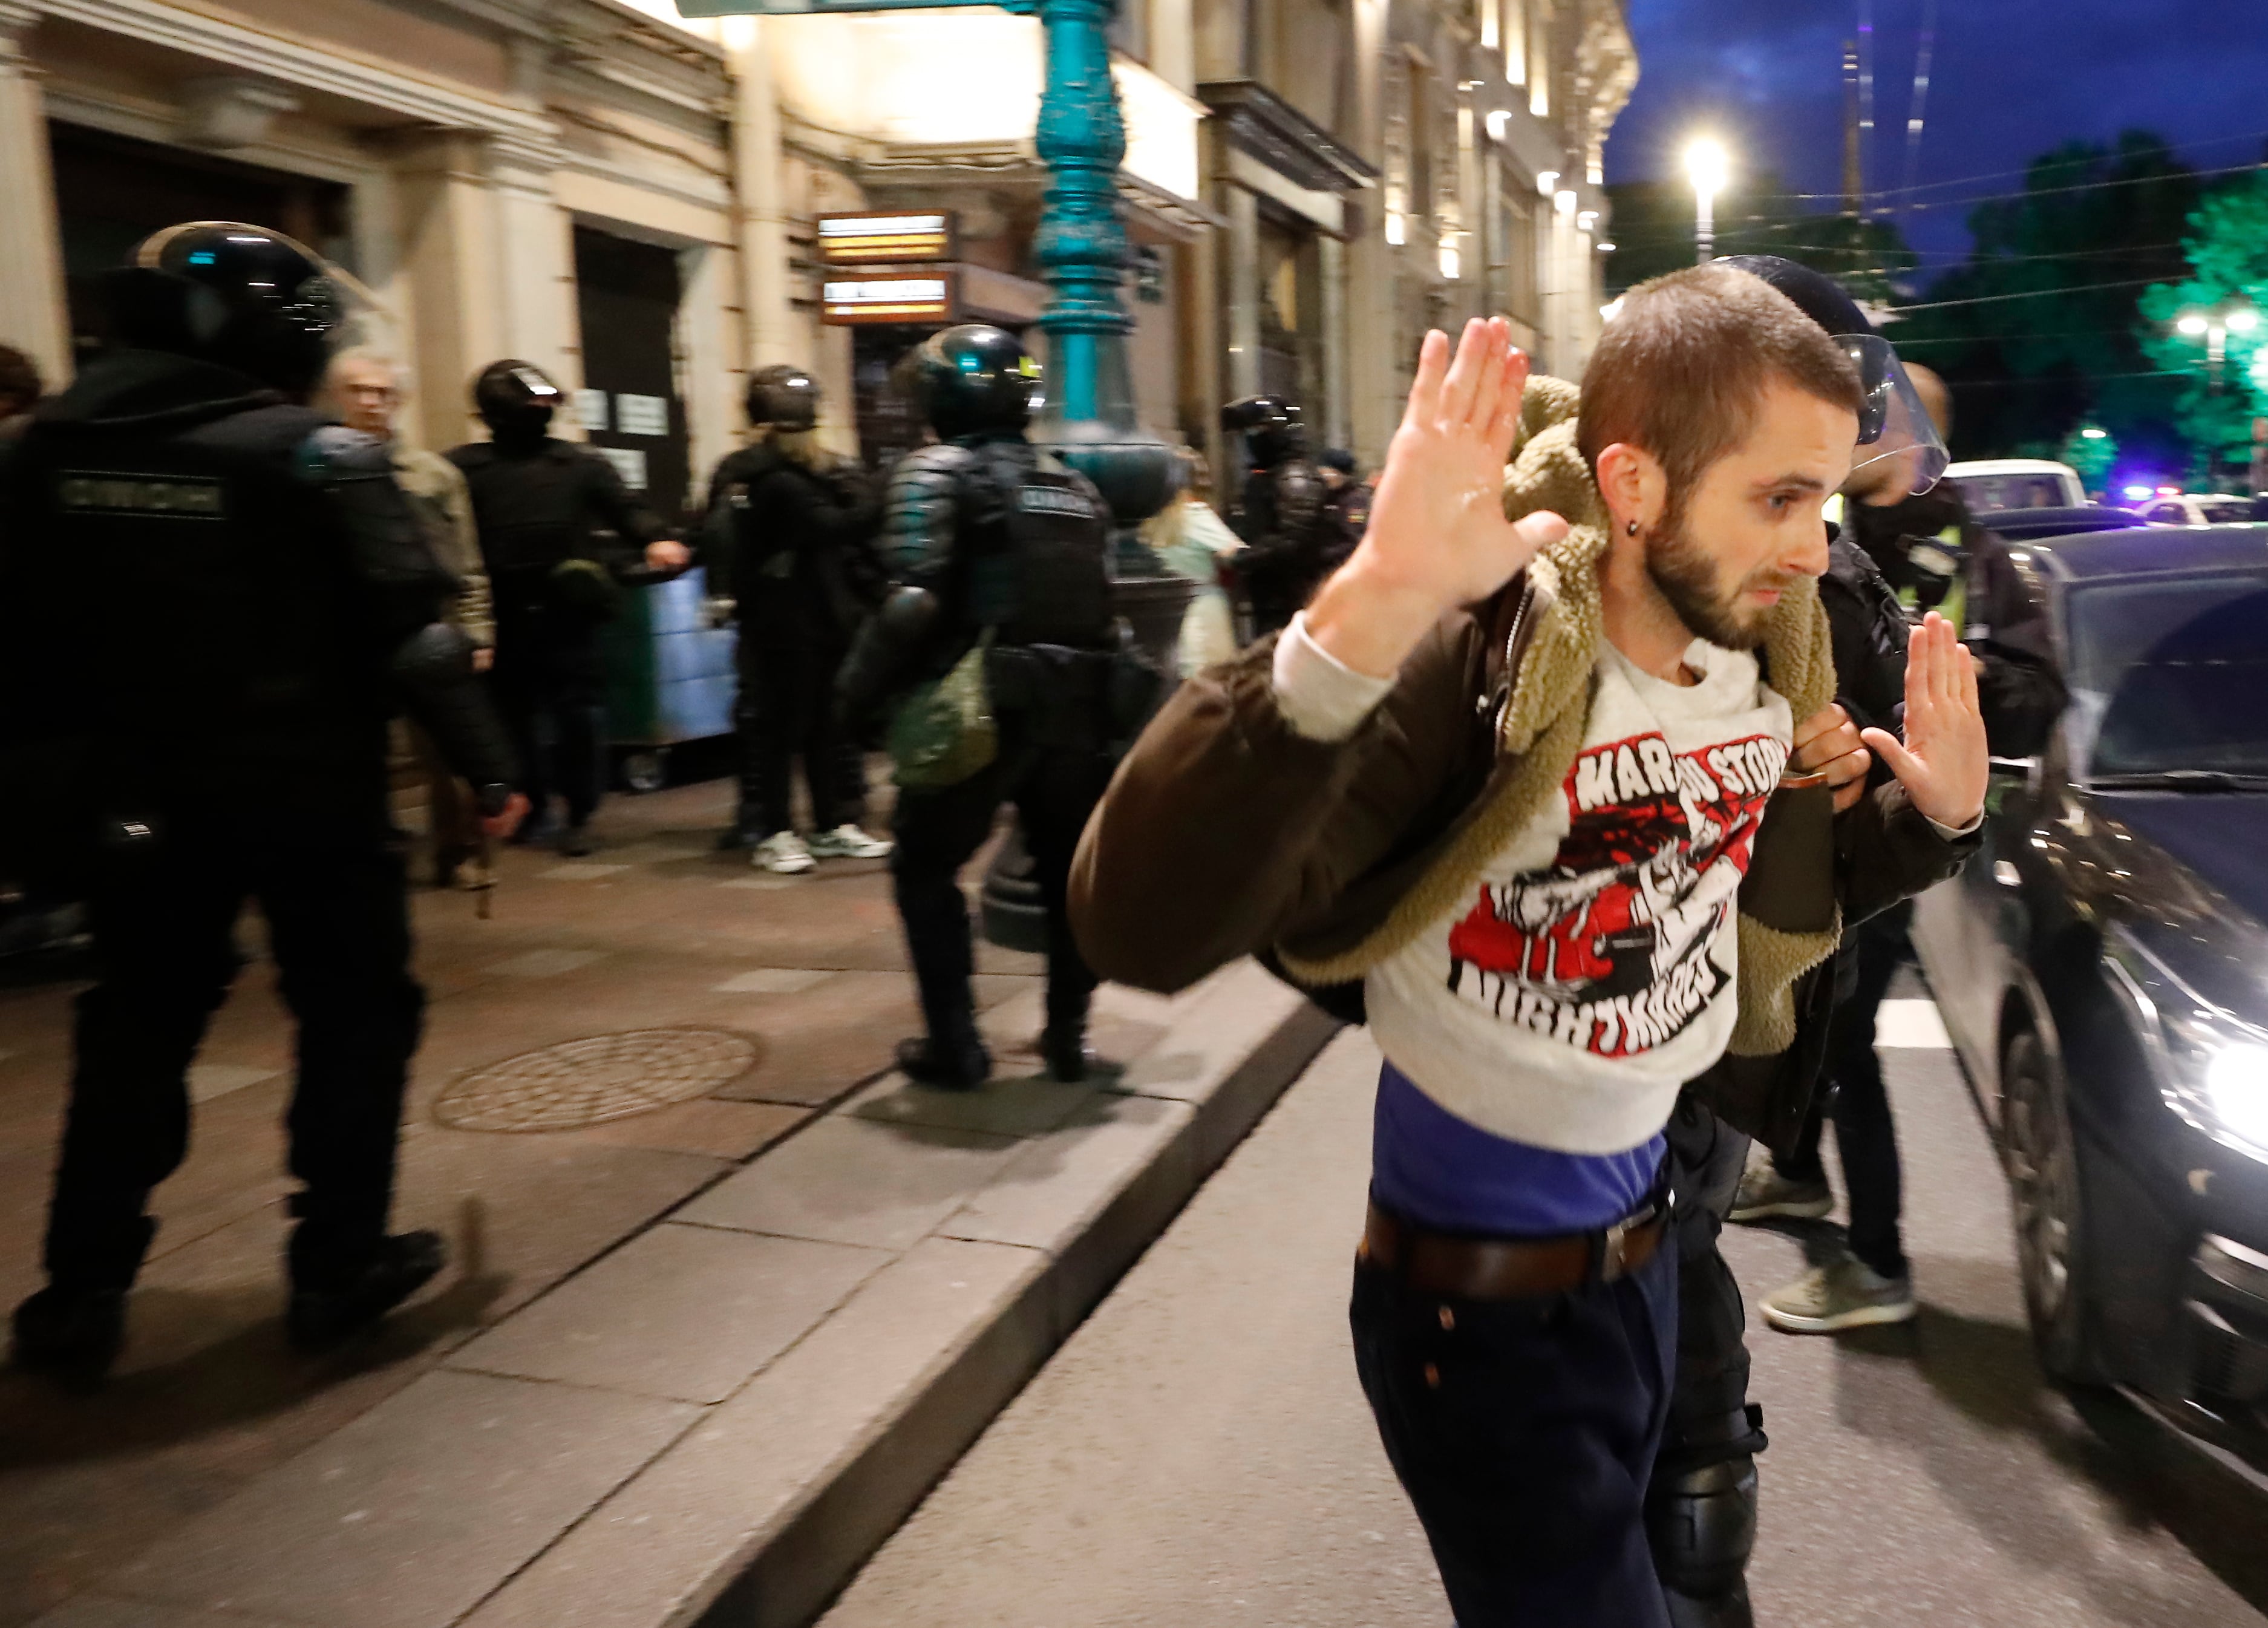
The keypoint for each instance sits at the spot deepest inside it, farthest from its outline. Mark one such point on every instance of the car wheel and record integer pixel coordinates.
(2042, 1165)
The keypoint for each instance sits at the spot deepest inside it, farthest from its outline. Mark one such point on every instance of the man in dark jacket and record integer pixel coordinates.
(219, 732)
(556, 529)
(1935, 557)
(795, 528)
(1279, 511)
(1523, 784)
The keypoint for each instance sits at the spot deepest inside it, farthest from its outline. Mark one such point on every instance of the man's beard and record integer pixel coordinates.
(1686, 575)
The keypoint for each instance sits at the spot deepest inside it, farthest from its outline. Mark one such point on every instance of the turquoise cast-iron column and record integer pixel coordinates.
(1089, 419)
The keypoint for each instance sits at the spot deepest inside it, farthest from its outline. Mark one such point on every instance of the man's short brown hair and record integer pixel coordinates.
(1680, 370)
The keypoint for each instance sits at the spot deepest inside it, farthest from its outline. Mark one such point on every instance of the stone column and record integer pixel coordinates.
(1243, 281)
(450, 266)
(774, 335)
(535, 276)
(33, 316)
(1338, 419)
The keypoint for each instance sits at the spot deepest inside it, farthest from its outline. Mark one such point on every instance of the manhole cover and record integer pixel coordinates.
(588, 1082)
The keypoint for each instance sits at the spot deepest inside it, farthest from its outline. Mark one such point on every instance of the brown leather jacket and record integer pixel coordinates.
(1227, 834)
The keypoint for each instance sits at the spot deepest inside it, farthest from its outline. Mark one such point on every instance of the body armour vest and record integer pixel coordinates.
(1042, 573)
(214, 588)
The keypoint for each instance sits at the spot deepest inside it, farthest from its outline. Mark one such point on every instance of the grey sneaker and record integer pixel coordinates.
(1844, 1293)
(1765, 1192)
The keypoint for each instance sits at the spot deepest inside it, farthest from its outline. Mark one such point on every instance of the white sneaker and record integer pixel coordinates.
(848, 842)
(783, 853)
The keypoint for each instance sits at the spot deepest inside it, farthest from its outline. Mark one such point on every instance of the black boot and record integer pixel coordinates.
(1725, 1610)
(322, 1318)
(927, 1063)
(1065, 1051)
(74, 1334)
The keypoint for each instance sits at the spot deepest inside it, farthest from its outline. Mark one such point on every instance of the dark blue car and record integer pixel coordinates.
(2103, 967)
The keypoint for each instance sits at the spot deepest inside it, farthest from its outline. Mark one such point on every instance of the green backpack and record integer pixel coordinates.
(945, 732)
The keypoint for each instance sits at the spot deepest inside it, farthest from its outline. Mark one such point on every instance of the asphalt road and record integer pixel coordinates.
(1200, 1453)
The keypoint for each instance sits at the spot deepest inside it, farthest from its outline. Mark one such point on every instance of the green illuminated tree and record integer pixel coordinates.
(2227, 249)
(2036, 331)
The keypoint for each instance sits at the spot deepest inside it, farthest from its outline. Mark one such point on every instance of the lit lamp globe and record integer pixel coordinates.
(1709, 168)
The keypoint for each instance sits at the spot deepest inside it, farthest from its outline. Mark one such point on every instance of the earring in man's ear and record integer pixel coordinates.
(1630, 528)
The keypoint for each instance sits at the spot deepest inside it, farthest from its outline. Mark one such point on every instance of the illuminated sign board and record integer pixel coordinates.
(796, 8)
(849, 301)
(875, 237)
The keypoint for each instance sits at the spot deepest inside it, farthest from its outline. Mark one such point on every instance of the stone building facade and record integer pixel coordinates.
(632, 201)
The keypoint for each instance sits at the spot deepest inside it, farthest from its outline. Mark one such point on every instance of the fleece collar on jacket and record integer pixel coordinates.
(1544, 724)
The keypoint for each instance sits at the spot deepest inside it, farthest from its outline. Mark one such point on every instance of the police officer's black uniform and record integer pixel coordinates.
(800, 562)
(1931, 556)
(556, 529)
(1279, 513)
(999, 538)
(210, 599)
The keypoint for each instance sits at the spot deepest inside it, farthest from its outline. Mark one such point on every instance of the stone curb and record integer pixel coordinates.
(754, 1511)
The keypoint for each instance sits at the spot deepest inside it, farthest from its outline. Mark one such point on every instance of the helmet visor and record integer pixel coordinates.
(1893, 422)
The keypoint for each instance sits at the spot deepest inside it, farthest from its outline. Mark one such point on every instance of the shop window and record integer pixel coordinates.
(113, 191)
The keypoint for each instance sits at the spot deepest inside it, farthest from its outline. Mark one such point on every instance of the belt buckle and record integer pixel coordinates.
(1610, 1246)
(1610, 1243)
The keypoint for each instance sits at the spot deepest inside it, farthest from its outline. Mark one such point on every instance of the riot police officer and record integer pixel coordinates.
(263, 598)
(1933, 556)
(991, 539)
(1281, 512)
(796, 527)
(557, 530)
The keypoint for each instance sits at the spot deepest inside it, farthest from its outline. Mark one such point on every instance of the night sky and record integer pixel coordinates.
(2011, 78)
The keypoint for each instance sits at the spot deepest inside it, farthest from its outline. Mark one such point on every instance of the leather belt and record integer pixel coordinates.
(1510, 1269)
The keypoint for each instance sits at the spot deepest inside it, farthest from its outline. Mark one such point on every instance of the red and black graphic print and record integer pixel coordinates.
(1608, 947)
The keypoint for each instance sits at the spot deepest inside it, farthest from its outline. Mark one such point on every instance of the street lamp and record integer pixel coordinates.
(2214, 327)
(1709, 168)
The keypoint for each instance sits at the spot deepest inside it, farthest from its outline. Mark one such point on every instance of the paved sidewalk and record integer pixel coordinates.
(752, 1388)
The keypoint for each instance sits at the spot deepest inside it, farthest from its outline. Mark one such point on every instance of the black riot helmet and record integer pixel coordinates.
(1270, 426)
(515, 400)
(1894, 421)
(241, 296)
(783, 396)
(973, 379)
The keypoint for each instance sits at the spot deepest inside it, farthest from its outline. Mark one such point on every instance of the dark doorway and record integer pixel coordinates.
(627, 295)
(889, 428)
(113, 191)
(888, 425)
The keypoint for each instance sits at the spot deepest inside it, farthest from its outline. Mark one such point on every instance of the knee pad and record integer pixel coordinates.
(1701, 1525)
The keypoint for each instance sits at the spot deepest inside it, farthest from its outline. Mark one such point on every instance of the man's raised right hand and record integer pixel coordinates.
(1437, 537)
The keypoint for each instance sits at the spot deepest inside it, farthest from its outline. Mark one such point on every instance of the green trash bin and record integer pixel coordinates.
(671, 677)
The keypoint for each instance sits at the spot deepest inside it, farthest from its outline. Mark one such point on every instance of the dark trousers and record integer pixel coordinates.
(549, 686)
(938, 831)
(1524, 1432)
(165, 954)
(1866, 1135)
(786, 708)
